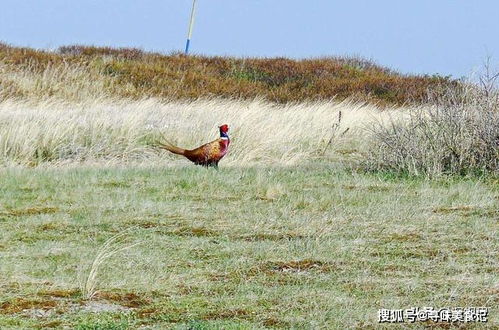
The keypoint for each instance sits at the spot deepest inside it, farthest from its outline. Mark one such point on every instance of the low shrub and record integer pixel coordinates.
(456, 133)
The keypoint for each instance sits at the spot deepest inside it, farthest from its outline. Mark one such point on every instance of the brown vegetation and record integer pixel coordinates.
(130, 300)
(30, 211)
(132, 73)
(17, 305)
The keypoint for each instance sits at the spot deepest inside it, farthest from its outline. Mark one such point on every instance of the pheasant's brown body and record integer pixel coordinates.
(208, 154)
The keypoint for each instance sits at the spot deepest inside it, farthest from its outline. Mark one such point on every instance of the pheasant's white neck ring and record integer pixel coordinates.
(224, 137)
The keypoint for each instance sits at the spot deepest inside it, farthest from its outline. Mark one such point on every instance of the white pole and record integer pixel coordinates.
(191, 25)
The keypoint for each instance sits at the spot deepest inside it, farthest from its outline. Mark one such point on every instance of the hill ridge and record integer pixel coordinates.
(133, 73)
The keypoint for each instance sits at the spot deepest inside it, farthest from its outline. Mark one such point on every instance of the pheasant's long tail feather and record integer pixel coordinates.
(171, 148)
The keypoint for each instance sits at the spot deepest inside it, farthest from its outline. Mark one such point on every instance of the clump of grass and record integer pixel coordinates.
(457, 133)
(111, 247)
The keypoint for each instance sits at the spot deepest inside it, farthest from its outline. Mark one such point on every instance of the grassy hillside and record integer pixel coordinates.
(132, 73)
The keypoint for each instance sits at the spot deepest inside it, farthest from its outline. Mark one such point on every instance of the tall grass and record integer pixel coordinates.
(57, 132)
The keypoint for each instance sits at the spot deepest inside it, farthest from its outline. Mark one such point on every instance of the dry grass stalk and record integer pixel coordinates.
(111, 247)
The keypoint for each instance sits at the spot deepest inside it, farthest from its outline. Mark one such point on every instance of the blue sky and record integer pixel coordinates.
(450, 37)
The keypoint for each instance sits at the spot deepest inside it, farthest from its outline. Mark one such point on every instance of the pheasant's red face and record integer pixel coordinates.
(224, 128)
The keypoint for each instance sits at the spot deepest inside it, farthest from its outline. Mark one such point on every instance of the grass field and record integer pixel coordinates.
(254, 247)
(313, 220)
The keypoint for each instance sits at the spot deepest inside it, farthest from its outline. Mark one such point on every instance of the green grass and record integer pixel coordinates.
(308, 246)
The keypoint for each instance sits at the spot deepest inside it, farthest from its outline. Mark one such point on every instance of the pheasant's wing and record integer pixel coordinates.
(201, 154)
(214, 150)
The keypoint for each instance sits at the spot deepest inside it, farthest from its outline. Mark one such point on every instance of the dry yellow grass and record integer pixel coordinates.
(105, 130)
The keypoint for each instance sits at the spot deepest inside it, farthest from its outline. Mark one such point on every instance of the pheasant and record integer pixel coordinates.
(208, 154)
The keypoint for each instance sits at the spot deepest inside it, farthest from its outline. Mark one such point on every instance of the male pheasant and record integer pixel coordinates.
(208, 154)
